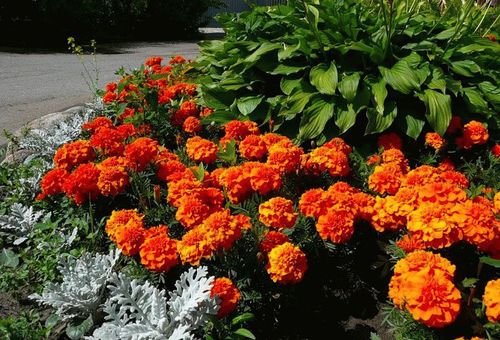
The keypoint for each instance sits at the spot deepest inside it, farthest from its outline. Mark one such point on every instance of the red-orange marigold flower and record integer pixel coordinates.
(287, 264)
(434, 140)
(119, 218)
(474, 133)
(113, 180)
(72, 154)
(191, 212)
(108, 141)
(52, 183)
(386, 179)
(253, 147)
(272, 239)
(97, 123)
(141, 152)
(336, 225)
(159, 252)
(81, 184)
(263, 177)
(129, 238)
(285, 158)
(311, 203)
(228, 294)
(278, 213)
(201, 150)
(192, 125)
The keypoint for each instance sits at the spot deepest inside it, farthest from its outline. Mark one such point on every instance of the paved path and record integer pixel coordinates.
(35, 84)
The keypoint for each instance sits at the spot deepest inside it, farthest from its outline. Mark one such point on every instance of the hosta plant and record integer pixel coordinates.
(315, 69)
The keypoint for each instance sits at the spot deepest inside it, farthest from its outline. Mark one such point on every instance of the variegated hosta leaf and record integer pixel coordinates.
(80, 292)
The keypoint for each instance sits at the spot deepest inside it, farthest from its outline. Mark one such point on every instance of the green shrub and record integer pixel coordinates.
(317, 69)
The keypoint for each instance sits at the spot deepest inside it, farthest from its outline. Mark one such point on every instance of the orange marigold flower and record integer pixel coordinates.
(491, 37)
(127, 113)
(446, 165)
(111, 87)
(434, 226)
(273, 138)
(286, 159)
(81, 184)
(167, 170)
(141, 152)
(253, 147)
(164, 155)
(72, 154)
(119, 218)
(397, 158)
(263, 177)
(115, 161)
(109, 97)
(238, 130)
(272, 239)
(337, 224)
(326, 159)
(386, 179)
(441, 193)
(287, 264)
(277, 213)
(491, 300)
(237, 184)
(177, 60)
(389, 214)
(338, 144)
(112, 180)
(127, 130)
(421, 175)
(130, 237)
(187, 109)
(390, 140)
(311, 203)
(52, 183)
(177, 189)
(455, 178)
(495, 150)
(373, 160)
(192, 125)
(434, 140)
(159, 252)
(422, 282)
(201, 150)
(215, 177)
(455, 125)
(109, 141)
(206, 112)
(496, 202)
(97, 123)
(478, 223)
(475, 133)
(228, 294)
(191, 212)
(409, 244)
(152, 61)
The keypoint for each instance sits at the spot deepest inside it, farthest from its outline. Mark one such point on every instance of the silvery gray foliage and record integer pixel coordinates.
(45, 142)
(18, 225)
(139, 311)
(81, 290)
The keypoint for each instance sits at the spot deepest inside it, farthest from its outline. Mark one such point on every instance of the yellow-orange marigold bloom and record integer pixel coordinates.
(191, 211)
(141, 152)
(397, 158)
(164, 155)
(112, 180)
(337, 224)
(169, 170)
(491, 300)
(237, 184)
(287, 264)
(201, 150)
(311, 203)
(478, 223)
(390, 140)
(434, 226)
(192, 125)
(253, 147)
(263, 177)
(454, 177)
(72, 154)
(159, 252)
(386, 179)
(496, 202)
(475, 133)
(119, 218)
(129, 238)
(441, 193)
(273, 138)
(278, 213)
(228, 294)
(434, 140)
(338, 144)
(389, 214)
(421, 175)
(285, 158)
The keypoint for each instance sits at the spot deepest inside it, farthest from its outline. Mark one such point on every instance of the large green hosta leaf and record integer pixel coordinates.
(405, 76)
(378, 122)
(438, 109)
(324, 77)
(315, 117)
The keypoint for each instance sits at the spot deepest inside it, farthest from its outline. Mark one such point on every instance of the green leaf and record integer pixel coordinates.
(490, 261)
(379, 92)
(244, 333)
(221, 116)
(491, 92)
(228, 154)
(8, 258)
(284, 69)
(444, 35)
(216, 98)
(345, 119)
(324, 78)
(313, 16)
(380, 122)
(246, 105)
(263, 49)
(314, 118)
(242, 318)
(52, 321)
(374, 336)
(413, 126)
(75, 332)
(438, 110)
(475, 101)
(466, 68)
(288, 51)
(402, 77)
(348, 86)
(296, 103)
(287, 85)
(199, 173)
(469, 282)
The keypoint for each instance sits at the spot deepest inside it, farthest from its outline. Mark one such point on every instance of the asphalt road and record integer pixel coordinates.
(38, 83)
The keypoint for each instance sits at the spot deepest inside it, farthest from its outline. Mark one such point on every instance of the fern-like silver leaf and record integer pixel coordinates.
(84, 279)
(18, 225)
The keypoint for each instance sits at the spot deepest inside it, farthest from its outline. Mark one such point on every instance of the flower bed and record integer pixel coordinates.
(247, 227)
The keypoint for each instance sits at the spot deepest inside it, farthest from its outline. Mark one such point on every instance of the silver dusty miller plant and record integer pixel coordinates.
(19, 224)
(140, 311)
(81, 291)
